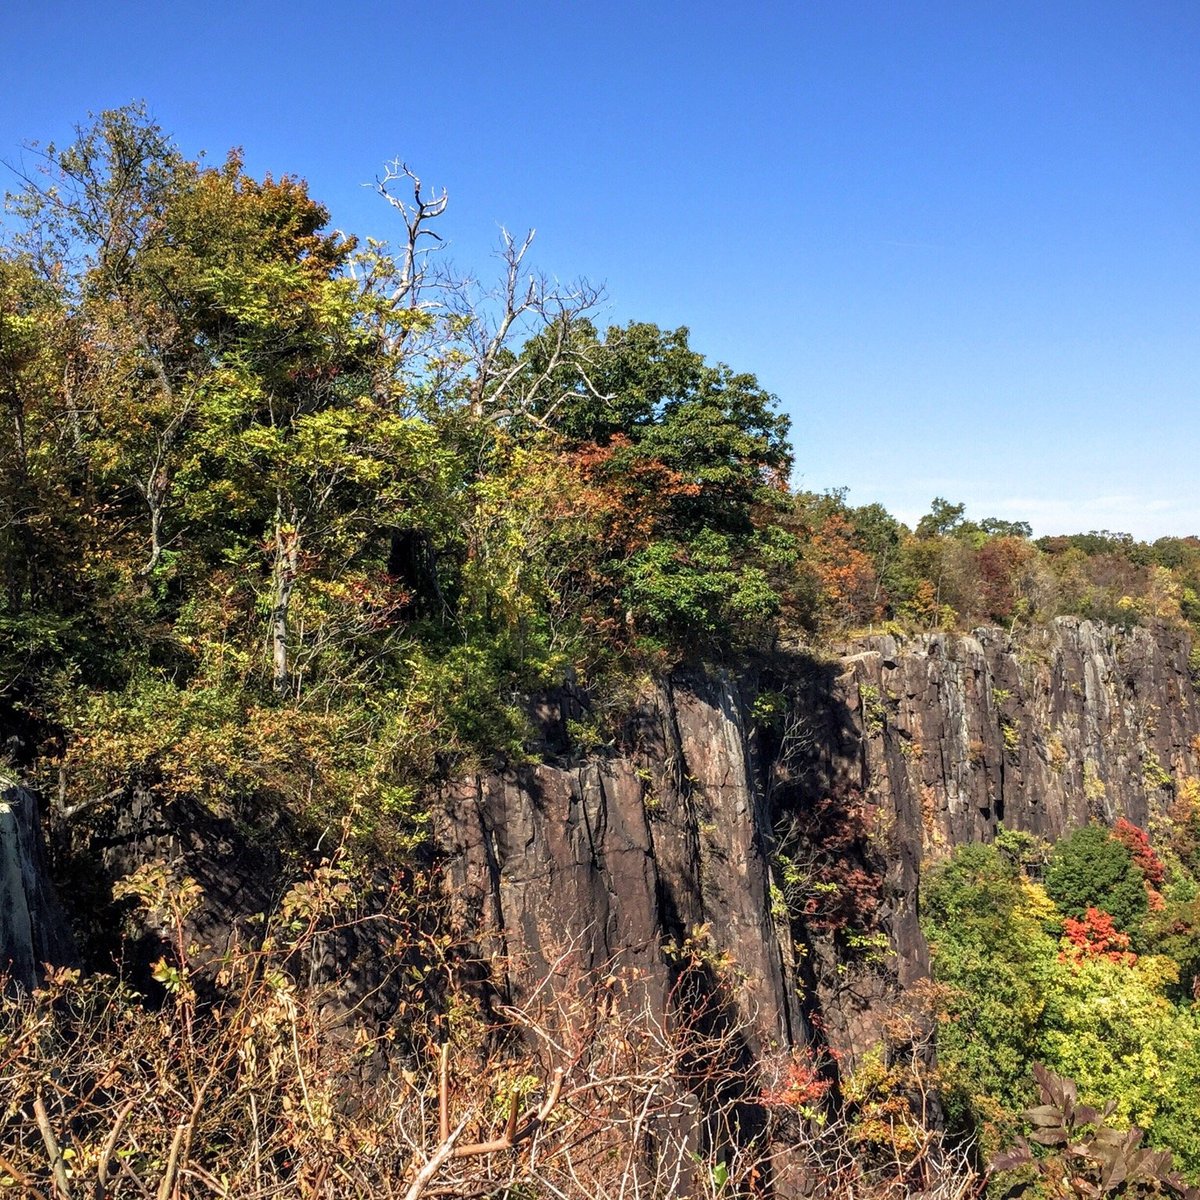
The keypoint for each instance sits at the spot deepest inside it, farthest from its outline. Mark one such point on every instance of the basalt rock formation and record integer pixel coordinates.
(858, 771)
(617, 859)
(782, 813)
(33, 929)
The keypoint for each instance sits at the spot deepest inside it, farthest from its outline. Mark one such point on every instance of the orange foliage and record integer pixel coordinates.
(1096, 936)
(1138, 845)
(630, 497)
(1185, 820)
(799, 1084)
(846, 573)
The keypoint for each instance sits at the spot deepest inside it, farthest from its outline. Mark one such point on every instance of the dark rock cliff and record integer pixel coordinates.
(1042, 731)
(617, 858)
(925, 744)
(783, 814)
(33, 928)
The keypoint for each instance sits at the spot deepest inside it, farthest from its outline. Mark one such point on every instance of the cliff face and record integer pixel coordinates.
(33, 929)
(926, 744)
(782, 815)
(1073, 722)
(953, 734)
(610, 862)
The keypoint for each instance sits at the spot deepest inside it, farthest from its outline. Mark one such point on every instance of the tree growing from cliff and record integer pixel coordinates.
(291, 521)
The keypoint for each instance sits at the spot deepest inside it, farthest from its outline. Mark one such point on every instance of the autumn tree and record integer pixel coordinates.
(1096, 936)
(697, 454)
(990, 933)
(1092, 869)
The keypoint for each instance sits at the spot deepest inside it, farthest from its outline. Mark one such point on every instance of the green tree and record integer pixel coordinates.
(942, 520)
(1016, 995)
(1090, 869)
(993, 938)
(700, 451)
(48, 567)
(1112, 1027)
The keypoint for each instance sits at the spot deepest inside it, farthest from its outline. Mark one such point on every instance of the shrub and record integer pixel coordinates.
(1092, 1159)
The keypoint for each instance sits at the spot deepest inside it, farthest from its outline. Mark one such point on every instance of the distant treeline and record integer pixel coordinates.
(864, 567)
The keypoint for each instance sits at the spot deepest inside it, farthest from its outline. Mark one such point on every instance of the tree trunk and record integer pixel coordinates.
(287, 557)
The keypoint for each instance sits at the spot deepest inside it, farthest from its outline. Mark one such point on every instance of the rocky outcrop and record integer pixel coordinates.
(243, 863)
(951, 735)
(33, 930)
(1067, 723)
(616, 859)
(782, 815)
(926, 743)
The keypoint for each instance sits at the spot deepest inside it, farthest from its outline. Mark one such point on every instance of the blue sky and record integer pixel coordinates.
(960, 241)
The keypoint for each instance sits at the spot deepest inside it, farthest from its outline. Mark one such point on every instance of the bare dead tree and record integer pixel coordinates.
(490, 321)
(418, 210)
(528, 302)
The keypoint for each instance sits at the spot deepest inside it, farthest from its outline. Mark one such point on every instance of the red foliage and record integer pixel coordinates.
(1097, 937)
(1138, 845)
(631, 496)
(798, 1085)
(849, 890)
(606, 502)
(1001, 562)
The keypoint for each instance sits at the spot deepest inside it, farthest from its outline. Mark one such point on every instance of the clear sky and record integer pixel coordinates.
(959, 240)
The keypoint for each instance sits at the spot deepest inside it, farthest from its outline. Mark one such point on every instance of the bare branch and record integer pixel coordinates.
(58, 1165)
(416, 213)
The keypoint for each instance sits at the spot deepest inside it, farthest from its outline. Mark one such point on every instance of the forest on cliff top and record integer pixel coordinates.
(305, 518)
(256, 466)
